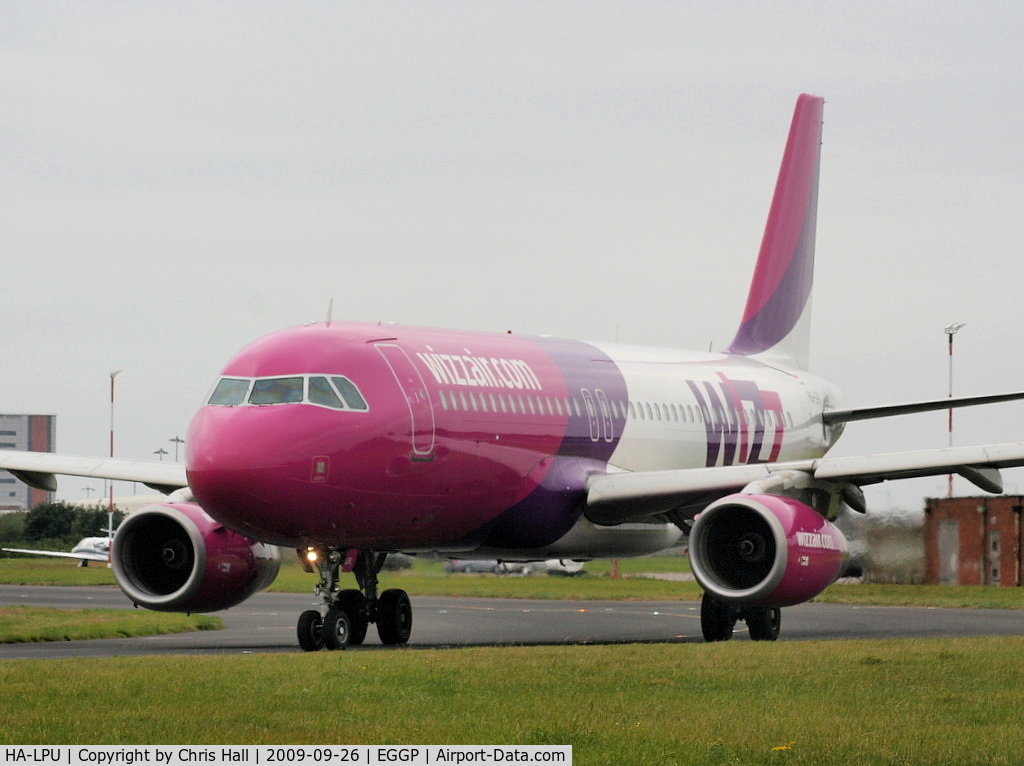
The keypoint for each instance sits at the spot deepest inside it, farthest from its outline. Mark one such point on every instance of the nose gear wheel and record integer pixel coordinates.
(346, 614)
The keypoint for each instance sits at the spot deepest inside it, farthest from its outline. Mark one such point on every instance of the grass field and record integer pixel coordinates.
(860, 702)
(428, 578)
(25, 624)
(845, 702)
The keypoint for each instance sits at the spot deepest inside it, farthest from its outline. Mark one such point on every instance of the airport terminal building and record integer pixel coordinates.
(25, 432)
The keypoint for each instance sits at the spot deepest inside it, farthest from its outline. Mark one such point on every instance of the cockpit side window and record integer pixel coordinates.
(230, 392)
(321, 392)
(276, 391)
(350, 393)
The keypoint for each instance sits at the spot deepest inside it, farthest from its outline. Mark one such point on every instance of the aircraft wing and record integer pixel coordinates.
(39, 470)
(891, 410)
(615, 498)
(84, 556)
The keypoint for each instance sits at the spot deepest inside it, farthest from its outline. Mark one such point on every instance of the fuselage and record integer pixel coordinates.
(383, 437)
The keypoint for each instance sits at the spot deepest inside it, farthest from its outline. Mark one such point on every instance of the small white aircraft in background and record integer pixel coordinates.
(87, 549)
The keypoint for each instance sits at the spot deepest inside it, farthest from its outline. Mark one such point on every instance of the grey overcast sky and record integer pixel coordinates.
(178, 179)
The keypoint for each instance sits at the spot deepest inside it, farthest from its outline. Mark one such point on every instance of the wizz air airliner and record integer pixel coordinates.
(347, 440)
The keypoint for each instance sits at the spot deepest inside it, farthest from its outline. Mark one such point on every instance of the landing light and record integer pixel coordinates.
(311, 556)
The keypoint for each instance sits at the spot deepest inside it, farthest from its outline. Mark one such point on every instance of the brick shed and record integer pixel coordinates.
(974, 541)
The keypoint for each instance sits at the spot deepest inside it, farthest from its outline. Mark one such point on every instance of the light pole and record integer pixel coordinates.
(110, 497)
(161, 452)
(177, 441)
(951, 330)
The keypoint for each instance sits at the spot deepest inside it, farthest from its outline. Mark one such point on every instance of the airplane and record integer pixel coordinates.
(94, 548)
(85, 550)
(347, 440)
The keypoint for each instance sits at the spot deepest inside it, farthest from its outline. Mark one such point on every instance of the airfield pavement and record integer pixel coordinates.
(266, 623)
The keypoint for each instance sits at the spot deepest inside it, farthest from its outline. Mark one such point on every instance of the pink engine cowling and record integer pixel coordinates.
(764, 550)
(174, 558)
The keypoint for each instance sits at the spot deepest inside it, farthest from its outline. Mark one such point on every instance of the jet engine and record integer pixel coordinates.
(765, 551)
(172, 557)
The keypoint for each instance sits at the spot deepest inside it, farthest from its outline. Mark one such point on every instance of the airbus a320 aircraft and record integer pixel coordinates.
(347, 440)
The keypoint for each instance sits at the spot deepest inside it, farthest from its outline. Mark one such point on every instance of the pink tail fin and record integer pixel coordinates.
(776, 321)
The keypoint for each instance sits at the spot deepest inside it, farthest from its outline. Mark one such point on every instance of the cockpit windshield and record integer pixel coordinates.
(229, 392)
(276, 391)
(332, 391)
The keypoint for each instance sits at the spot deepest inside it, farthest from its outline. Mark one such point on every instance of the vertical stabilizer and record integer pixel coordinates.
(776, 321)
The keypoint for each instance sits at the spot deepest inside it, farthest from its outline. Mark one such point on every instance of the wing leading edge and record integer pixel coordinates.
(620, 497)
(890, 410)
(40, 469)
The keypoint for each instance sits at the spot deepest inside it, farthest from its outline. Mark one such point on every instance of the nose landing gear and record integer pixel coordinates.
(348, 612)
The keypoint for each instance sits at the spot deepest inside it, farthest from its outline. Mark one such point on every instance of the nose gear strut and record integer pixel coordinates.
(346, 613)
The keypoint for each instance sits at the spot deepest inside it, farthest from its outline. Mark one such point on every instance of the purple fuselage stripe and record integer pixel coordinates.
(591, 436)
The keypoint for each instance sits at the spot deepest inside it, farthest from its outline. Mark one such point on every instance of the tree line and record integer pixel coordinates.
(53, 526)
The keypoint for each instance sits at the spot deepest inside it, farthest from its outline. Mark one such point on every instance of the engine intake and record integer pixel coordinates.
(174, 558)
(764, 550)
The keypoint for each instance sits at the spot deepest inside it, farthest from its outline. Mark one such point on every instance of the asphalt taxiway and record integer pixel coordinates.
(266, 623)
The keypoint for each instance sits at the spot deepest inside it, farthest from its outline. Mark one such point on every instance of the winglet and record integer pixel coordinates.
(776, 321)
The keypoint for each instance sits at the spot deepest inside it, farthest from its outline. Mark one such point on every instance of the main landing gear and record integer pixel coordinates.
(717, 620)
(348, 613)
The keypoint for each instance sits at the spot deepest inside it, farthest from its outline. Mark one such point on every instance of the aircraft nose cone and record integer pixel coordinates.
(239, 462)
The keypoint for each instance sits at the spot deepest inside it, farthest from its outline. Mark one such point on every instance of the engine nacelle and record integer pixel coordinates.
(764, 550)
(172, 557)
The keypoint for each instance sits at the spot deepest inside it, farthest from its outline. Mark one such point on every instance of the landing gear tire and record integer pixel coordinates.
(337, 629)
(717, 620)
(350, 611)
(394, 617)
(763, 623)
(354, 604)
(311, 631)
